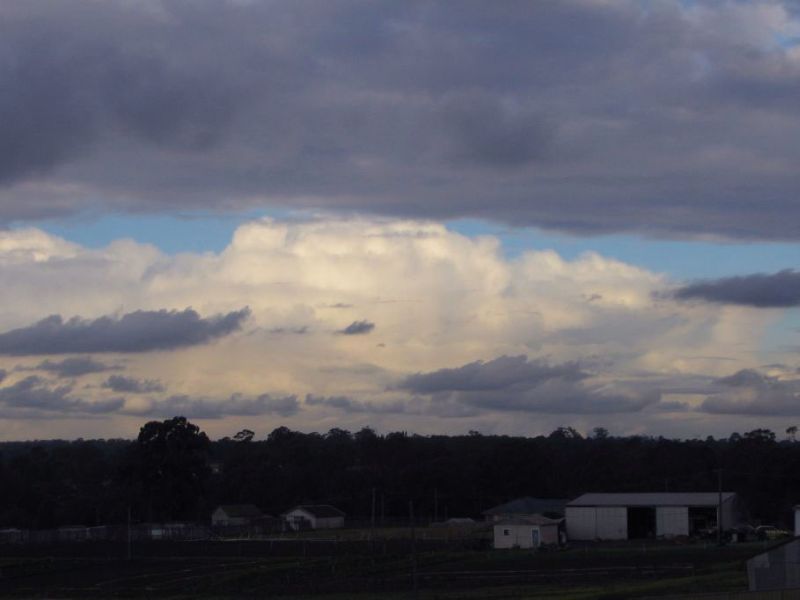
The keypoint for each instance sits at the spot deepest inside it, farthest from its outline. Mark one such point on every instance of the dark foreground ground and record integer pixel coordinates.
(256, 569)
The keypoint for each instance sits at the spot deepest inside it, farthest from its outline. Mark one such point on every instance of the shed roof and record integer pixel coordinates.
(241, 511)
(321, 511)
(652, 499)
(529, 520)
(528, 506)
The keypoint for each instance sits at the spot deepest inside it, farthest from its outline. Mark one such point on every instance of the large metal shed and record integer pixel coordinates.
(647, 515)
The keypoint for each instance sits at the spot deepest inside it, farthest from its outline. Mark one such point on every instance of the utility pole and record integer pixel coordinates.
(413, 548)
(719, 506)
(373, 511)
(129, 533)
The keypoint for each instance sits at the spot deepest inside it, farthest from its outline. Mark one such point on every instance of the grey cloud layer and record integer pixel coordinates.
(778, 290)
(750, 392)
(33, 394)
(74, 366)
(131, 385)
(236, 405)
(671, 118)
(139, 331)
(512, 383)
(498, 374)
(352, 406)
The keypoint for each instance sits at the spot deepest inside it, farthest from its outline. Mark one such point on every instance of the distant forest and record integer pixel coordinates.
(173, 472)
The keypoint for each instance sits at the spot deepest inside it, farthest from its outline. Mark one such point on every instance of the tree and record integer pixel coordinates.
(171, 463)
(566, 433)
(245, 435)
(600, 433)
(760, 436)
(792, 432)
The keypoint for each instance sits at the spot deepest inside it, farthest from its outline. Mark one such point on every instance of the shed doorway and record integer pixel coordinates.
(641, 522)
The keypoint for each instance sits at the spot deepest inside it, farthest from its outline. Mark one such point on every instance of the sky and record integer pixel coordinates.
(433, 217)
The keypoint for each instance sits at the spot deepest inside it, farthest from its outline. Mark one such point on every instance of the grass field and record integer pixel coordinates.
(623, 571)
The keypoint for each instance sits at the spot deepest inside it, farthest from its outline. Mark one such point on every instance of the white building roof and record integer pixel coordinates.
(529, 520)
(652, 499)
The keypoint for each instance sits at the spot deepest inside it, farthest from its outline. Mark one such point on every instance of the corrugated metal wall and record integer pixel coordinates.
(597, 523)
(581, 523)
(672, 520)
(612, 523)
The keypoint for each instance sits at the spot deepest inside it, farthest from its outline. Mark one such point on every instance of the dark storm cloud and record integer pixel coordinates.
(357, 328)
(34, 394)
(669, 119)
(515, 384)
(236, 405)
(74, 366)
(139, 331)
(131, 385)
(778, 290)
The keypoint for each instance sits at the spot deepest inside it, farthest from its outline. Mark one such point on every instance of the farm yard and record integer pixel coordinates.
(386, 568)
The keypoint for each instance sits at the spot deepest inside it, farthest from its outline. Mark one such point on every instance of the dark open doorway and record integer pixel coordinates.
(641, 522)
(702, 519)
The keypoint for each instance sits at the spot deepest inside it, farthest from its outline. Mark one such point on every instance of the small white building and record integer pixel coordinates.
(647, 515)
(526, 532)
(314, 516)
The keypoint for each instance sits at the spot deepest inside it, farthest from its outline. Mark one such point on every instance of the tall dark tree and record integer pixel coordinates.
(170, 462)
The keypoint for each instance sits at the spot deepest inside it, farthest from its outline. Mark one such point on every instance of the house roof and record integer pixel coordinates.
(652, 499)
(321, 511)
(241, 511)
(528, 506)
(529, 520)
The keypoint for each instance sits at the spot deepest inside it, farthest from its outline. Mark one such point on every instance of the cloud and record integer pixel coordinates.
(498, 374)
(352, 406)
(139, 331)
(121, 383)
(207, 408)
(778, 290)
(357, 328)
(750, 392)
(516, 384)
(74, 366)
(33, 394)
(665, 116)
(442, 300)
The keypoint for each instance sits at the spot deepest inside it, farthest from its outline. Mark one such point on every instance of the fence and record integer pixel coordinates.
(792, 594)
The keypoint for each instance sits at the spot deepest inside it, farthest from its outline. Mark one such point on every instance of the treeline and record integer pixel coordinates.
(173, 472)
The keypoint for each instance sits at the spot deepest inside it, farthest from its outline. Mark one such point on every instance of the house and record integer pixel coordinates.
(777, 568)
(526, 507)
(236, 515)
(314, 516)
(647, 515)
(527, 532)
